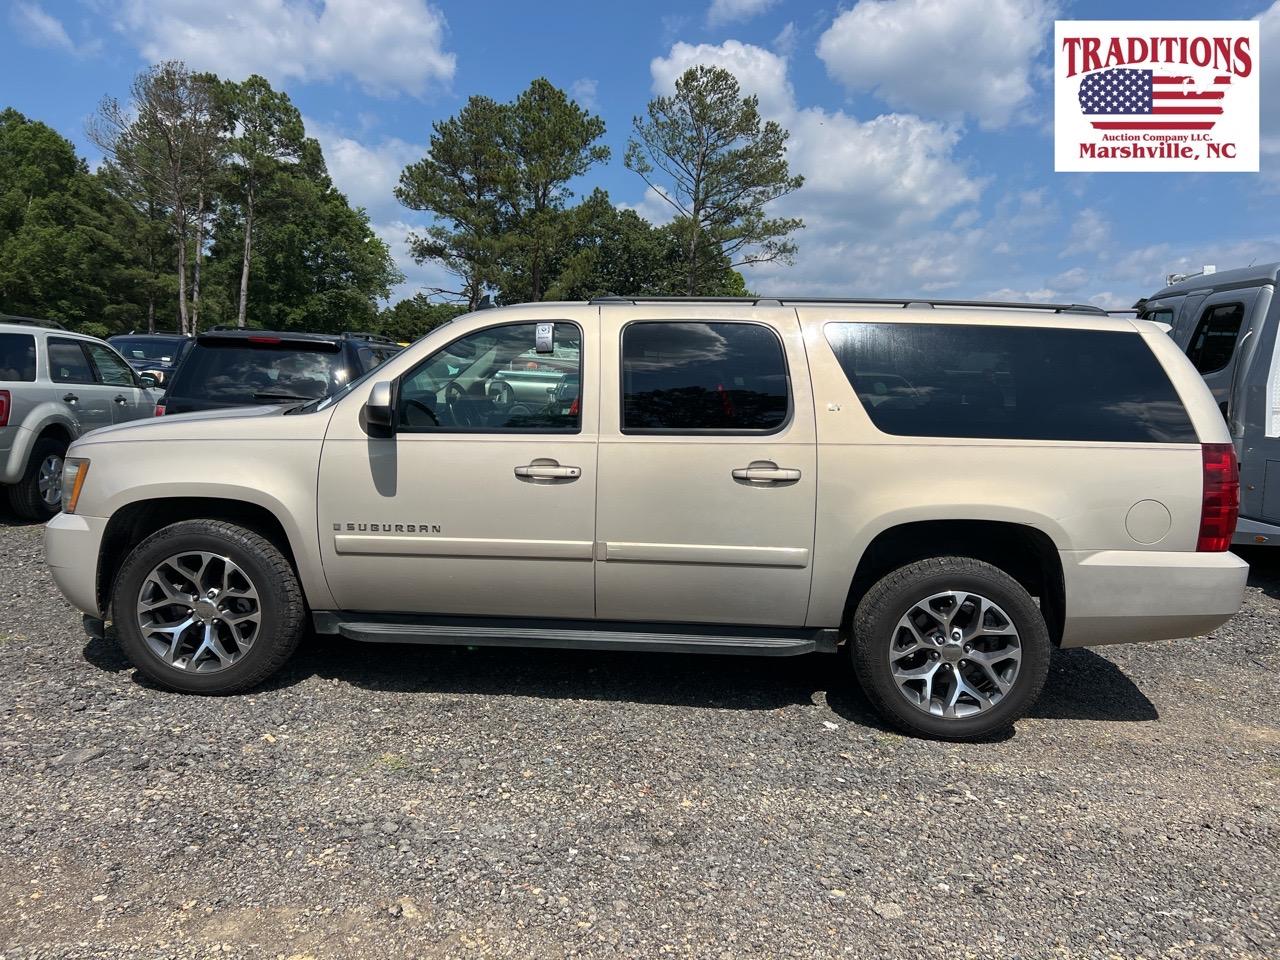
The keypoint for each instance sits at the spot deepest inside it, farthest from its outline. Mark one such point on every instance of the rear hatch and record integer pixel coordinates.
(221, 371)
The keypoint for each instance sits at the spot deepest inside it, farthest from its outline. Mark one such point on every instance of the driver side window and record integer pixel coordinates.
(497, 380)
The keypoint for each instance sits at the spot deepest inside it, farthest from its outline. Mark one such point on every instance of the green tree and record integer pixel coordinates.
(612, 251)
(316, 263)
(707, 153)
(65, 243)
(414, 316)
(461, 182)
(168, 138)
(549, 140)
(266, 133)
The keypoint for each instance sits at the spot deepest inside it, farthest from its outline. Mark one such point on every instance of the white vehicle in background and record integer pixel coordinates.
(1227, 323)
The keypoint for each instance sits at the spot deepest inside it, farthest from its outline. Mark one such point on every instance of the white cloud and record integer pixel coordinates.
(388, 47)
(870, 186)
(1269, 67)
(42, 29)
(584, 90)
(728, 11)
(366, 172)
(759, 71)
(652, 207)
(1090, 233)
(785, 42)
(942, 58)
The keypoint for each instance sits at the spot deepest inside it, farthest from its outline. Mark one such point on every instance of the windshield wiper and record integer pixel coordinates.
(270, 395)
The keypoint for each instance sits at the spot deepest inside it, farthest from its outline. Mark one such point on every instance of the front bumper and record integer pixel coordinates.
(1120, 596)
(71, 548)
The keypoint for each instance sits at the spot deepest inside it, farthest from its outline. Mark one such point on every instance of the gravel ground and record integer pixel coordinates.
(444, 802)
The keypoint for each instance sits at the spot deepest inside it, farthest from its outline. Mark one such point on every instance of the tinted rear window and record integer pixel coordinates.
(17, 356)
(234, 372)
(1010, 383)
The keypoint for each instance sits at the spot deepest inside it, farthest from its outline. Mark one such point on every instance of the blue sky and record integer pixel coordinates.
(924, 127)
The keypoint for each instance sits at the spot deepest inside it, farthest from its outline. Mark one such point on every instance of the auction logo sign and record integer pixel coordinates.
(1144, 95)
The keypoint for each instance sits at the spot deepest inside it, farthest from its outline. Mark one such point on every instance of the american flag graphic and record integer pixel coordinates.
(1146, 100)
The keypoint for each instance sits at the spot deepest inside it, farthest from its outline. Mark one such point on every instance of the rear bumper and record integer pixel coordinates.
(71, 545)
(1121, 596)
(1252, 533)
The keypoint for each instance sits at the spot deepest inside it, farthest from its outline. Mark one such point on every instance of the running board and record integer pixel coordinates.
(576, 634)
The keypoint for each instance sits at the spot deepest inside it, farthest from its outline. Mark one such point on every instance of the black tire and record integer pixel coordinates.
(24, 496)
(283, 609)
(875, 623)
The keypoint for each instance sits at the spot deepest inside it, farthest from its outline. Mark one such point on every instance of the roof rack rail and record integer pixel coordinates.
(912, 302)
(362, 335)
(31, 321)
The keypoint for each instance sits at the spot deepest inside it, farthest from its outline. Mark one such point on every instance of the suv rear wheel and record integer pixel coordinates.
(950, 647)
(38, 494)
(205, 606)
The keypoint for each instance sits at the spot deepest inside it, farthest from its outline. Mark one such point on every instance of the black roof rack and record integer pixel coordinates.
(914, 302)
(31, 321)
(362, 335)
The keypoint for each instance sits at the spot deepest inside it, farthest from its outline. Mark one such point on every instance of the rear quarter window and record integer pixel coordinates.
(1010, 383)
(17, 357)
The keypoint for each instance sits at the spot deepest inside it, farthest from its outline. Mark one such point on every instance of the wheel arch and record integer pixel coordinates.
(134, 522)
(1024, 552)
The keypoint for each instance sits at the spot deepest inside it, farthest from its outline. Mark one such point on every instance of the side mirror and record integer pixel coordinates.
(148, 381)
(378, 409)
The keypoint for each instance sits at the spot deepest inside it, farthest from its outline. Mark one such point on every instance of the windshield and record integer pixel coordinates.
(234, 372)
(325, 402)
(161, 349)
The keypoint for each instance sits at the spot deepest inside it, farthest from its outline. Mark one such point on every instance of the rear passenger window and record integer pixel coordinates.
(67, 362)
(703, 378)
(17, 357)
(1214, 341)
(1010, 383)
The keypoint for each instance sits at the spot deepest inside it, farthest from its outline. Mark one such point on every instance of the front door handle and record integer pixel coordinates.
(70, 397)
(766, 472)
(547, 470)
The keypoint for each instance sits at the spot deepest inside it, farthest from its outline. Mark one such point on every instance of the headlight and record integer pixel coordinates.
(74, 471)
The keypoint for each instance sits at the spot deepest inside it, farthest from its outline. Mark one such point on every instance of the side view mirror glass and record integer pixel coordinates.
(148, 381)
(377, 409)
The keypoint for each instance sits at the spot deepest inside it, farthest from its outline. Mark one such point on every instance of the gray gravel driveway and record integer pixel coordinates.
(439, 802)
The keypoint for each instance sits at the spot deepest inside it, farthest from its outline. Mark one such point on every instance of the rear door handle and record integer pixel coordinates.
(121, 399)
(548, 471)
(766, 473)
(70, 398)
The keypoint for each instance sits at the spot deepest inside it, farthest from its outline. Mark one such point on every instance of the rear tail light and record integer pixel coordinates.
(159, 409)
(6, 401)
(1220, 504)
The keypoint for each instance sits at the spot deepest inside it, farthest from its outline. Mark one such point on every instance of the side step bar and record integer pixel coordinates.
(576, 634)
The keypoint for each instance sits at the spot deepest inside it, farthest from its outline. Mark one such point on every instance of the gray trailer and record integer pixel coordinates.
(1227, 324)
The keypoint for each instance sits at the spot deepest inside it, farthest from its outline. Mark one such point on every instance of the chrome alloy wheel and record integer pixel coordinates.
(199, 611)
(49, 481)
(955, 654)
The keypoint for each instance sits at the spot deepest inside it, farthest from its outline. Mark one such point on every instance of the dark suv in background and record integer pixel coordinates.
(237, 368)
(156, 354)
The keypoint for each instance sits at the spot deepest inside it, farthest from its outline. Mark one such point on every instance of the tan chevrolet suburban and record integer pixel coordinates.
(944, 491)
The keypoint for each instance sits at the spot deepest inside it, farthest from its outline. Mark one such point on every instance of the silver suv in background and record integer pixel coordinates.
(54, 387)
(1226, 323)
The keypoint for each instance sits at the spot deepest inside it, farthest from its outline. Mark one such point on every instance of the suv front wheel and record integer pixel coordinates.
(38, 493)
(205, 606)
(950, 647)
